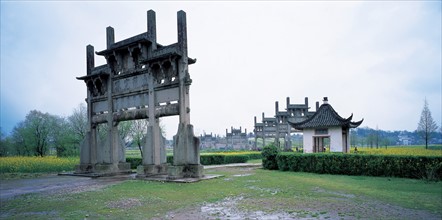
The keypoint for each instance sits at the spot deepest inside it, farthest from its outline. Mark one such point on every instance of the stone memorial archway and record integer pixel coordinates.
(141, 79)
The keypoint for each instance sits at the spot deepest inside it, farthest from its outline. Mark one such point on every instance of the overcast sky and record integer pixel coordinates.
(377, 60)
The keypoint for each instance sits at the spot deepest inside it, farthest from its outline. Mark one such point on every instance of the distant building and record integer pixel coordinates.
(278, 127)
(209, 141)
(236, 139)
(404, 139)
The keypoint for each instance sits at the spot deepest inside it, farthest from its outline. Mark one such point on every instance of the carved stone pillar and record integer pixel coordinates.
(186, 155)
(154, 158)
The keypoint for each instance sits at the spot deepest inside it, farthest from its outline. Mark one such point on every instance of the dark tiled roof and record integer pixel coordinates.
(124, 43)
(282, 114)
(326, 116)
(297, 106)
(269, 119)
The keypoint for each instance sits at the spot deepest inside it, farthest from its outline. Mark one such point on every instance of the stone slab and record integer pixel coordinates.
(234, 165)
(96, 175)
(165, 178)
(148, 170)
(185, 171)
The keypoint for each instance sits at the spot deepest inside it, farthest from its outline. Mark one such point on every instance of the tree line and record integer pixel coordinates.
(426, 133)
(42, 134)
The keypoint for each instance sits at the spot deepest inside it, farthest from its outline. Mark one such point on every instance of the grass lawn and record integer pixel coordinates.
(246, 191)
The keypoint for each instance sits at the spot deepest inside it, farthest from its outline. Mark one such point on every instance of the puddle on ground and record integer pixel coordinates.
(244, 174)
(228, 209)
(345, 195)
(267, 190)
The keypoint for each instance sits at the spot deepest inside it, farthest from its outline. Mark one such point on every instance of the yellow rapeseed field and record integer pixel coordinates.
(232, 153)
(37, 164)
(411, 151)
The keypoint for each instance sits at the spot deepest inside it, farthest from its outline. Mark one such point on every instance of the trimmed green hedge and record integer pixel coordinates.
(235, 159)
(134, 162)
(420, 167)
(204, 159)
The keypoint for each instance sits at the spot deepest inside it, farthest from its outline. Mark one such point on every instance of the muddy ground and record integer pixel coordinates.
(349, 207)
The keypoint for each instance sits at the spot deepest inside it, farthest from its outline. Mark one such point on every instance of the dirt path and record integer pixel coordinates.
(54, 183)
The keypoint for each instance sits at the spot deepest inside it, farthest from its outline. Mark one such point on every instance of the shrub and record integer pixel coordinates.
(421, 167)
(134, 162)
(170, 159)
(269, 154)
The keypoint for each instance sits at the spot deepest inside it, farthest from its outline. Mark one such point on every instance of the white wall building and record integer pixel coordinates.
(326, 124)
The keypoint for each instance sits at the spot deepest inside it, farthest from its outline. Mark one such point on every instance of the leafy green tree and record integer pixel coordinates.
(19, 144)
(5, 144)
(64, 138)
(33, 135)
(426, 125)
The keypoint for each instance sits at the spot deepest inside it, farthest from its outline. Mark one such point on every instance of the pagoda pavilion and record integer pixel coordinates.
(326, 124)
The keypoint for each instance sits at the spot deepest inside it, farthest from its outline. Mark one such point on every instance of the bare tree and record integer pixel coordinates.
(377, 137)
(124, 130)
(138, 132)
(426, 124)
(78, 122)
(371, 138)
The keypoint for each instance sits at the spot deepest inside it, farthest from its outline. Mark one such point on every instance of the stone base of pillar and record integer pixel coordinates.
(84, 168)
(151, 169)
(186, 147)
(103, 169)
(124, 167)
(185, 171)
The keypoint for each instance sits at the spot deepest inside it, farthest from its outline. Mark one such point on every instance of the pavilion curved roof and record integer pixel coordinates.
(326, 116)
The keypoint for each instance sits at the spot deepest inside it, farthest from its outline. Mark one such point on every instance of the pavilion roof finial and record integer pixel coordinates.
(325, 100)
